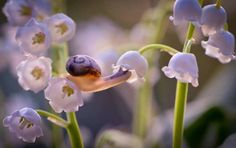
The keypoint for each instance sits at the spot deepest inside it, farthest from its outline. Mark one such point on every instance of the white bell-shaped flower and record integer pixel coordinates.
(185, 11)
(183, 67)
(134, 62)
(62, 27)
(25, 123)
(33, 38)
(221, 46)
(212, 19)
(63, 95)
(18, 12)
(34, 73)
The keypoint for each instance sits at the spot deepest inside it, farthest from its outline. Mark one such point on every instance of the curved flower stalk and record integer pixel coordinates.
(183, 66)
(33, 38)
(34, 73)
(212, 19)
(25, 123)
(61, 27)
(186, 11)
(220, 46)
(68, 98)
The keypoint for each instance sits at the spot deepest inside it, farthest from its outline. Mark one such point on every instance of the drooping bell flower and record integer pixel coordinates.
(186, 11)
(25, 123)
(221, 46)
(63, 95)
(18, 12)
(34, 73)
(212, 19)
(183, 67)
(62, 27)
(33, 38)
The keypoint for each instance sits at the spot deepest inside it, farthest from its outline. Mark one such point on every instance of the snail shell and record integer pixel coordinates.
(83, 66)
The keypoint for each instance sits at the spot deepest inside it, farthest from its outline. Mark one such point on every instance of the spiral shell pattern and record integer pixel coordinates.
(83, 65)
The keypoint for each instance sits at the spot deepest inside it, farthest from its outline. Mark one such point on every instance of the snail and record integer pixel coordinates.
(86, 74)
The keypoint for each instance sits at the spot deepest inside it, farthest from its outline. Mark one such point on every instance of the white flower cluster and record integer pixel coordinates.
(37, 31)
(211, 19)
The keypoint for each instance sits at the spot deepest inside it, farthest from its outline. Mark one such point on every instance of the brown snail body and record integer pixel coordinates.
(86, 74)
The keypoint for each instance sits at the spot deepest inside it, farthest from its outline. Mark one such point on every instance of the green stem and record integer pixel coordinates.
(143, 104)
(74, 131)
(180, 104)
(218, 4)
(58, 6)
(59, 54)
(143, 109)
(226, 27)
(189, 35)
(181, 98)
(159, 47)
(53, 118)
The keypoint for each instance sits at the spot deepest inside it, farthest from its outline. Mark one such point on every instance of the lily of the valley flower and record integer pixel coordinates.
(183, 66)
(213, 19)
(221, 46)
(18, 12)
(25, 123)
(62, 27)
(34, 73)
(186, 10)
(33, 38)
(63, 95)
(134, 62)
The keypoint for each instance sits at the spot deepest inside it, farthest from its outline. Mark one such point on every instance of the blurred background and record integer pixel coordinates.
(141, 112)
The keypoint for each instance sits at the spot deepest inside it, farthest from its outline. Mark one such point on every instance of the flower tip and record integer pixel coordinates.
(195, 83)
(168, 72)
(171, 18)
